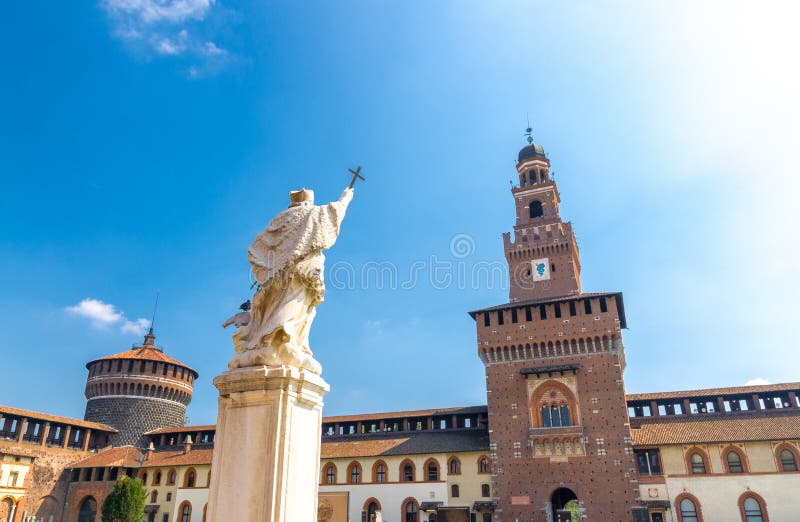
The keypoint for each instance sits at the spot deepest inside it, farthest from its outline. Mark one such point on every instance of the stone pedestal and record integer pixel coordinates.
(266, 452)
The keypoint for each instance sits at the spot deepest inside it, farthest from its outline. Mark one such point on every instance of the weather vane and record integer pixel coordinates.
(528, 131)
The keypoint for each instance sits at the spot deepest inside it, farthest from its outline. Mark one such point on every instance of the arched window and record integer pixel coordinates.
(565, 415)
(379, 472)
(553, 406)
(698, 464)
(330, 473)
(154, 497)
(788, 462)
(355, 473)
(688, 511)
(432, 470)
(407, 471)
(185, 512)
(144, 479)
(454, 466)
(734, 461)
(483, 465)
(157, 478)
(752, 510)
(535, 208)
(454, 492)
(546, 423)
(171, 475)
(410, 511)
(485, 492)
(189, 478)
(555, 415)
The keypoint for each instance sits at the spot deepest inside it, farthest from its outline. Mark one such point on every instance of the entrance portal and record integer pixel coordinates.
(565, 505)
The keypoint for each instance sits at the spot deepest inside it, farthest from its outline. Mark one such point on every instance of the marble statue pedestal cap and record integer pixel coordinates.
(267, 447)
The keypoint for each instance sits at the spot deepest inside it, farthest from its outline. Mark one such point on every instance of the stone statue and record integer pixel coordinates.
(288, 264)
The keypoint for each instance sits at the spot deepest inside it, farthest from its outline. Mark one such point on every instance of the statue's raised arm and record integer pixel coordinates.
(287, 262)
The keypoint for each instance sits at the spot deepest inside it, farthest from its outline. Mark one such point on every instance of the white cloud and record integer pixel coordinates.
(211, 49)
(167, 46)
(105, 315)
(139, 326)
(758, 381)
(161, 28)
(154, 11)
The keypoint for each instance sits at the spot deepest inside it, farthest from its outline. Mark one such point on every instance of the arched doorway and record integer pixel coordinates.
(88, 510)
(565, 505)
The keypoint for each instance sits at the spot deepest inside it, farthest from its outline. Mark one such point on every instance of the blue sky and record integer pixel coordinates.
(144, 143)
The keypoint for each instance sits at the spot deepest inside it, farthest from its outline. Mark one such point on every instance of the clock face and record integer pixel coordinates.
(540, 269)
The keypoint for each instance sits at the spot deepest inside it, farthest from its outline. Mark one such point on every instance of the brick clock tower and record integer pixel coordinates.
(558, 420)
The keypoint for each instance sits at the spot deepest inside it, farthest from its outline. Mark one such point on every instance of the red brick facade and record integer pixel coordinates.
(558, 420)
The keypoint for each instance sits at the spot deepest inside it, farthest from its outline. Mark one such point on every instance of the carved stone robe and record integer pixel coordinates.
(287, 261)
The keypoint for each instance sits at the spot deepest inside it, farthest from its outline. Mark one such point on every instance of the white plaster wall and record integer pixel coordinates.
(391, 497)
(5, 473)
(719, 494)
(196, 496)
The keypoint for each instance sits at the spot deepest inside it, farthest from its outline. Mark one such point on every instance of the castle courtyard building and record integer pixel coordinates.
(557, 440)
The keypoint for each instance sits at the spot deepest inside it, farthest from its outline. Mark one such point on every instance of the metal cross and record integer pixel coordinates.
(356, 175)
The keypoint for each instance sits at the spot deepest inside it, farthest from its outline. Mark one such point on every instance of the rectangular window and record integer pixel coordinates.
(542, 312)
(572, 311)
(648, 462)
(12, 479)
(513, 315)
(557, 309)
(603, 305)
(101, 473)
(528, 314)
(587, 306)
(165, 518)
(486, 320)
(500, 317)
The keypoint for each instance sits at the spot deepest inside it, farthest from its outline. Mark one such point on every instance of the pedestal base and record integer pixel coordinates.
(265, 466)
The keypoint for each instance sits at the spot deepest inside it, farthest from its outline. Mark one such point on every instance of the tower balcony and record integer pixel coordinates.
(555, 443)
(559, 432)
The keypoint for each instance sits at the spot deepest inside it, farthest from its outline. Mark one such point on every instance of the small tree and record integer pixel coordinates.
(126, 502)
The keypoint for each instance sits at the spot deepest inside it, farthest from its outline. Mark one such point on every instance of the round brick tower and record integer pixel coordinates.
(138, 391)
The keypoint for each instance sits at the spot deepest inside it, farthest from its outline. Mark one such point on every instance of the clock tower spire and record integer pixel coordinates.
(543, 259)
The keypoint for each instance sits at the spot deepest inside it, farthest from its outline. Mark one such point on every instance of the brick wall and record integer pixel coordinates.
(134, 416)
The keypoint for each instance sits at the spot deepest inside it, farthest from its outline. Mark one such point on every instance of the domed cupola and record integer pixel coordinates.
(138, 391)
(530, 151)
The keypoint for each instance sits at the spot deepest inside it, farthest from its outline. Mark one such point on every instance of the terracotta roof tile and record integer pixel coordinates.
(8, 410)
(194, 457)
(145, 352)
(406, 444)
(730, 428)
(121, 456)
(788, 386)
